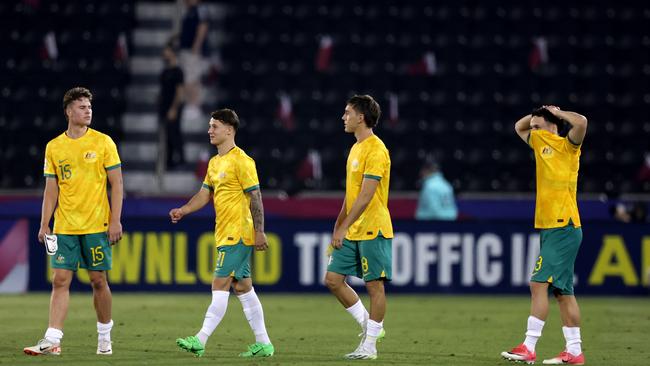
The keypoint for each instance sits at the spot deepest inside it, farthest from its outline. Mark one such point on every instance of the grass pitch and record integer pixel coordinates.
(315, 330)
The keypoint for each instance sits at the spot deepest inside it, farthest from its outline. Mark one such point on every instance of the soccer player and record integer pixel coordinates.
(557, 160)
(231, 184)
(77, 164)
(362, 237)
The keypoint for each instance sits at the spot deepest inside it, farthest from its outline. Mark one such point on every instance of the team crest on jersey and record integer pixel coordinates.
(547, 151)
(355, 165)
(90, 156)
(221, 175)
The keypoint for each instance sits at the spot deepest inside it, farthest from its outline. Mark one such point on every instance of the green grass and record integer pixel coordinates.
(315, 330)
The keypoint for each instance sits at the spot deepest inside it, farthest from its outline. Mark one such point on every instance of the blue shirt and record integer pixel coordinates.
(194, 16)
(436, 200)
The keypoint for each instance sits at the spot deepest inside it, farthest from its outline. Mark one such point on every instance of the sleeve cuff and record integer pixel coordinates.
(48, 175)
(207, 187)
(249, 189)
(370, 176)
(573, 143)
(113, 166)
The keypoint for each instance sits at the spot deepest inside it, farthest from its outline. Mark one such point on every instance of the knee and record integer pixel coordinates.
(375, 288)
(333, 283)
(60, 281)
(98, 282)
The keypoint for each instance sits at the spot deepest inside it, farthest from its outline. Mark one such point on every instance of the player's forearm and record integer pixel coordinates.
(523, 124)
(357, 209)
(341, 216)
(196, 203)
(575, 119)
(257, 210)
(49, 203)
(117, 199)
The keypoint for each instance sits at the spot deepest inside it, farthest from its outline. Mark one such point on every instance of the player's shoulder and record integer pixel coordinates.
(57, 140)
(100, 136)
(377, 144)
(241, 155)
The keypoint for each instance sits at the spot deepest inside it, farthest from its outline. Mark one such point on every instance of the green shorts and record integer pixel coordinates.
(367, 259)
(557, 255)
(90, 251)
(234, 261)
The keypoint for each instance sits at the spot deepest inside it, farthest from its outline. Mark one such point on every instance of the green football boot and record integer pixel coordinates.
(258, 350)
(191, 344)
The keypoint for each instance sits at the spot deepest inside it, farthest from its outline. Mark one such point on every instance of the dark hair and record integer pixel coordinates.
(75, 93)
(226, 116)
(562, 125)
(368, 106)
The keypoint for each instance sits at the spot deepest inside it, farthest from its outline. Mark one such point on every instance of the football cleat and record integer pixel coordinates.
(362, 353)
(258, 350)
(191, 344)
(104, 347)
(520, 354)
(44, 347)
(565, 358)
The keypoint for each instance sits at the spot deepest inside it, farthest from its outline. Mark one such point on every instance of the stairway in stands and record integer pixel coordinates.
(139, 150)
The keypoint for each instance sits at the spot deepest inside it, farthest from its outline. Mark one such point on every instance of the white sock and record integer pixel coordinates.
(533, 332)
(213, 316)
(53, 335)
(104, 331)
(359, 313)
(573, 341)
(255, 315)
(372, 332)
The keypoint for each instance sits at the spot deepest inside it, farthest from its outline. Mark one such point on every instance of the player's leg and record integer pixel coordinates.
(103, 301)
(543, 274)
(96, 257)
(243, 288)
(221, 282)
(344, 262)
(375, 259)
(569, 239)
(64, 262)
(570, 314)
(213, 316)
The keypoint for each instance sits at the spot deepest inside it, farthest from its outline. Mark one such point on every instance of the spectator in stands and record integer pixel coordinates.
(193, 50)
(637, 212)
(437, 201)
(170, 108)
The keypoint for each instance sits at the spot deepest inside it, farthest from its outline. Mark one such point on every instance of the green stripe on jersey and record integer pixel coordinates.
(370, 176)
(252, 188)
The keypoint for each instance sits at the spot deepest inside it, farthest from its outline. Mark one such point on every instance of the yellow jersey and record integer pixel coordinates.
(369, 159)
(79, 167)
(557, 161)
(230, 177)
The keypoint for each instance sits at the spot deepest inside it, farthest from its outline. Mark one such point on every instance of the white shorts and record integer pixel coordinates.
(193, 65)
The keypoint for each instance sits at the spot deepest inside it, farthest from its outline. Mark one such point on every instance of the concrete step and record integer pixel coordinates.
(156, 10)
(134, 123)
(147, 151)
(184, 183)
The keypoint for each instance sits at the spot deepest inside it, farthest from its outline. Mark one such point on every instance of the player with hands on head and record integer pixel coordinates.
(557, 161)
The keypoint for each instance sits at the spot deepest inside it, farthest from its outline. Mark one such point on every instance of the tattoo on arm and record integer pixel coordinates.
(257, 210)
